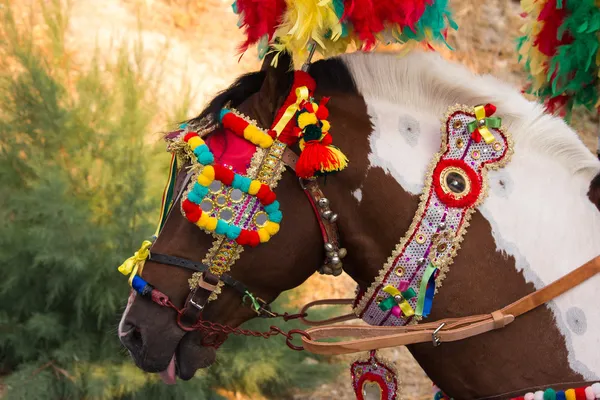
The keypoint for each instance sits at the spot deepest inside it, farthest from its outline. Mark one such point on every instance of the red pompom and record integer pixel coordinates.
(244, 237)
(262, 192)
(192, 211)
(580, 393)
(268, 198)
(189, 135)
(234, 123)
(188, 206)
(223, 174)
(490, 109)
(254, 239)
(322, 112)
(272, 133)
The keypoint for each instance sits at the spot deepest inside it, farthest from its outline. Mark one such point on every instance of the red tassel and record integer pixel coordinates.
(316, 158)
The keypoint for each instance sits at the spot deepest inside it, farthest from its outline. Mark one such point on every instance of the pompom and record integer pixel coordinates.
(305, 119)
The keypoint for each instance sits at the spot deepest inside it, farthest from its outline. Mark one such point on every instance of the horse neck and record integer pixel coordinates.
(377, 199)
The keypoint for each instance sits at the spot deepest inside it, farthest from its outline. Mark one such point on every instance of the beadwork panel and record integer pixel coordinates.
(455, 184)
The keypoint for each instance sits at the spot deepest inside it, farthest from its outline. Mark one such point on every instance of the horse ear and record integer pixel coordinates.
(278, 79)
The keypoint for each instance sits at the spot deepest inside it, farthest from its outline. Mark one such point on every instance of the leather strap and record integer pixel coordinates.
(326, 218)
(327, 302)
(198, 298)
(447, 330)
(196, 267)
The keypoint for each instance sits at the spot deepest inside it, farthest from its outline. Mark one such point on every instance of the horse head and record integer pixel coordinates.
(385, 114)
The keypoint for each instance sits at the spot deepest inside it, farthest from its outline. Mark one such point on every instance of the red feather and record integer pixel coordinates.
(365, 22)
(547, 40)
(260, 18)
(404, 13)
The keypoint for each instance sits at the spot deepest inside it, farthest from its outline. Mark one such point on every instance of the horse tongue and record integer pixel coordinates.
(168, 375)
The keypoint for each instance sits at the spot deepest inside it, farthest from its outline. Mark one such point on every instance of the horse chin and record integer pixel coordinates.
(189, 357)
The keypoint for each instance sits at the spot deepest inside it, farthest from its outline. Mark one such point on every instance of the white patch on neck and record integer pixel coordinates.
(537, 205)
(357, 195)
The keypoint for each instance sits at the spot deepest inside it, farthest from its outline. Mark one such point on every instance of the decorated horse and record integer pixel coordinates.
(468, 218)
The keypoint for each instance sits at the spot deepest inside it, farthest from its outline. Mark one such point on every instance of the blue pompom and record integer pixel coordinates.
(194, 197)
(233, 232)
(237, 181)
(223, 112)
(200, 190)
(276, 216)
(206, 158)
(183, 126)
(245, 185)
(201, 149)
(274, 206)
(138, 284)
(222, 227)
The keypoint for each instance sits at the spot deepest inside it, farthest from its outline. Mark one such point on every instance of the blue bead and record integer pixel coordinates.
(194, 197)
(274, 206)
(237, 181)
(245, 185)
(222, 227)
(206, 158)
(200, 190)
(223, 112)
(276, 216)
(138, 284)
(560, 395)
(233, 232)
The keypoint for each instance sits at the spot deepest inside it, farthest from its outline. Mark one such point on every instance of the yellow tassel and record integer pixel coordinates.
(263, 235)
(338, 162)
(138, 257)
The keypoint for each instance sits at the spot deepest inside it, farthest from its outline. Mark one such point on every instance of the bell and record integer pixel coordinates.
(328, 247)
(337, 272)
(342, 252)
(335, 260)
(323, 202)
(333, 218)
(327, 270)
(327, 214)
(331, 254)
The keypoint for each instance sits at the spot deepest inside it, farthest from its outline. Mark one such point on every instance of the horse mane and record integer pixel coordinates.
(426, 82)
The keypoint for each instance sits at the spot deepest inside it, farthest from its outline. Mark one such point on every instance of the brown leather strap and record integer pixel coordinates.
(198, 298)
(448, 330)
(326, 218)
(327, 302)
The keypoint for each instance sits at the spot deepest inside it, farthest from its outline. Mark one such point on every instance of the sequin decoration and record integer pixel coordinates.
(373, 377)
(455, 184)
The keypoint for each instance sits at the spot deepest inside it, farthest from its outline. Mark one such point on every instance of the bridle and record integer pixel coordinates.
(189, 318)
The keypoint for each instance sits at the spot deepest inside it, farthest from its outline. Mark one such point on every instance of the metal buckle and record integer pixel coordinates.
(265, 309)
(198, 306)
(434, 338)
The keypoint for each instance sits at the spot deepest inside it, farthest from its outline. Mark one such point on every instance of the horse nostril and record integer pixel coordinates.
(130, 336)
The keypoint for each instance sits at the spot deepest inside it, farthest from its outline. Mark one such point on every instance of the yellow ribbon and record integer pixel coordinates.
(483, 130)
(404, 305)
(301, 95)
(130, 266)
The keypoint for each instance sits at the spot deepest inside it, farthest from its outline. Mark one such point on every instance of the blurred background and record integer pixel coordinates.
(86, 89)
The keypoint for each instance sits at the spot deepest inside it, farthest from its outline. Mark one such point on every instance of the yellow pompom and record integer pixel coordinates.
(209, 172)
(204, 181)
(326, 126)
(263, 235)
(272, 228)
(252, 134)
(254, 187)
(265, 141)
(211, 225)
(195, 141)
(203, 220)
(306, 119)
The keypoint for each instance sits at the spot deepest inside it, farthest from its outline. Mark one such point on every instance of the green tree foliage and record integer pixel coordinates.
(78, 195)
